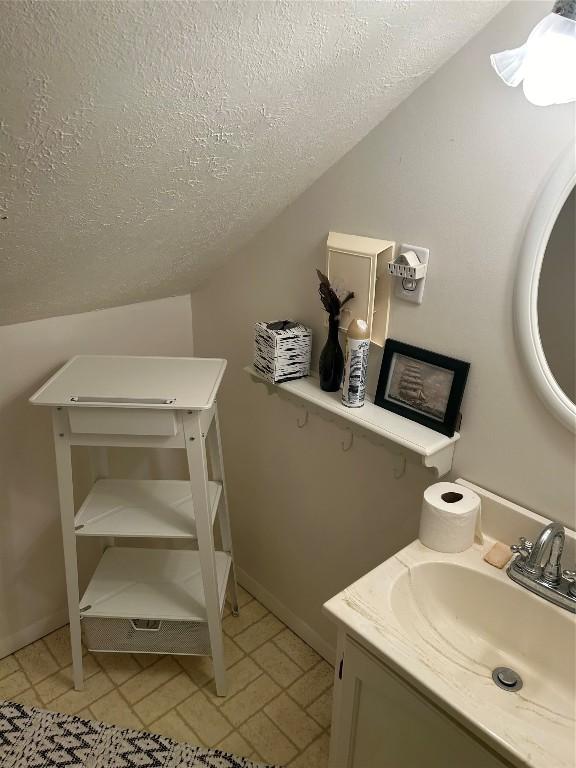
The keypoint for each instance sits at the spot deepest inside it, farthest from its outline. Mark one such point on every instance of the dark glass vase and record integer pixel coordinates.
(331, 366)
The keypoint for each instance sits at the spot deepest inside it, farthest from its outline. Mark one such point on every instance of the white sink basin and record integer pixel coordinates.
(486, 622)
(445, 622)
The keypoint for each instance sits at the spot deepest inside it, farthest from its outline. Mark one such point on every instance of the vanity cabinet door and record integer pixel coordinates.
(384, 723)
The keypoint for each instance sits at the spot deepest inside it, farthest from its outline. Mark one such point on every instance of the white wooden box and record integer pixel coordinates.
(360, 264)
(282, 354)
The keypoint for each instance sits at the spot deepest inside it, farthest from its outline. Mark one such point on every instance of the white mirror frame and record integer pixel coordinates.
(554, 194)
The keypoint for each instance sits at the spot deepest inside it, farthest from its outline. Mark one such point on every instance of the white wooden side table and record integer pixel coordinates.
(145, 600)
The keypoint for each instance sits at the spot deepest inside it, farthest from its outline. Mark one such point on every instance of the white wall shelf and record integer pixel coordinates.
(436, 450)
(142, 508)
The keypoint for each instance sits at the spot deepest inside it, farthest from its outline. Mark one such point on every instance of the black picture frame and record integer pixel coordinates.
(400, 391)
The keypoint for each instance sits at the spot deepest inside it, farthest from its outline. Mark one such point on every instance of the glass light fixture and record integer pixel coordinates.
(546, 63)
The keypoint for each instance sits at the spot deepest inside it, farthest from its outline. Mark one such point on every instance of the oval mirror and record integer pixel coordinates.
(545, 293)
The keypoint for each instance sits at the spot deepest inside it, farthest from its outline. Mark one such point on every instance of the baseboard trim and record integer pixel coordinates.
(32, 632)
(285, 614)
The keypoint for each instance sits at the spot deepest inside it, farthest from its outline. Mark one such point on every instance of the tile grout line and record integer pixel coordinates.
(45, 644)
(284, 689)
(265, 671)
(128, 656)
(148, 693)
(263, 710)
(304, 671)
(308, 747)
(305, 708)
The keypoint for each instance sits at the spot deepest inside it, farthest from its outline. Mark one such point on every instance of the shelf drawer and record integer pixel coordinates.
(146, 636)
(122, 421)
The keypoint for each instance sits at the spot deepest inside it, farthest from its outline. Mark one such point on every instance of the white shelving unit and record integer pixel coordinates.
(436, 450)
(142, 600)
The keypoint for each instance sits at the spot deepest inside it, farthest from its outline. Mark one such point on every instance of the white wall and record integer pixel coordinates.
(456, 167)
(32, 591)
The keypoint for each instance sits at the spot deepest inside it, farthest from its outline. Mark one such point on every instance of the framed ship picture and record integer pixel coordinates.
(422, 386)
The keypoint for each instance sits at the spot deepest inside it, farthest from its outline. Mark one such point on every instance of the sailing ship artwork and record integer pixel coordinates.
(420, 386)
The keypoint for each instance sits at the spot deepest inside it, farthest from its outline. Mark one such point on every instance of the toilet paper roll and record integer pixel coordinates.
(450, 517)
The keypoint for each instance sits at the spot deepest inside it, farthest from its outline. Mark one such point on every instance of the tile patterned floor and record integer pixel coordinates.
(277, 710)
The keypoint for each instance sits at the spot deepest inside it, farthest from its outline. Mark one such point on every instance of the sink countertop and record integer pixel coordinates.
(521, 727)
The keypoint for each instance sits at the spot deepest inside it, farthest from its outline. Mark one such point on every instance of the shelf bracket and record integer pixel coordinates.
(441, 461)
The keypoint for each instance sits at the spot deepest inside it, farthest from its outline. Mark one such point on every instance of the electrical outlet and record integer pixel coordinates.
(407, 288)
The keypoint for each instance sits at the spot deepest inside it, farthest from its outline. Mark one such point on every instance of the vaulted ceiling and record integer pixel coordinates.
(142, 142)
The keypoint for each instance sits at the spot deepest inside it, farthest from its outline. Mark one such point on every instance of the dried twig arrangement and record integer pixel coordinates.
(330, 299)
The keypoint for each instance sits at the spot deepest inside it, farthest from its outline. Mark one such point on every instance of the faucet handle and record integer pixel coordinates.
(523, 548)
(570, 576)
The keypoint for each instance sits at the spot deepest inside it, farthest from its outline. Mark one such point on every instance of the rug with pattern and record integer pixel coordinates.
(33, 738)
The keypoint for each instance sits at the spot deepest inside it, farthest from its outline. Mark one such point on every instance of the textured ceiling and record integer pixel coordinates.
(142, 142)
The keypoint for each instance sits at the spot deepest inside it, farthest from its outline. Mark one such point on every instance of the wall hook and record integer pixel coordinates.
(345, 447)
(400, 469)
(301, 424)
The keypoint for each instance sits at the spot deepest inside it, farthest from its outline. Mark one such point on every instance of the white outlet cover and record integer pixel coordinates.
(401, 291)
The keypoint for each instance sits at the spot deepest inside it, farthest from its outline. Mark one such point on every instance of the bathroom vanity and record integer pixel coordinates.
(385, 722)
(419, 639)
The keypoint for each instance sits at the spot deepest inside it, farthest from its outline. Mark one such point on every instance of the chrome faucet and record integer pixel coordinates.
(538, 567)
